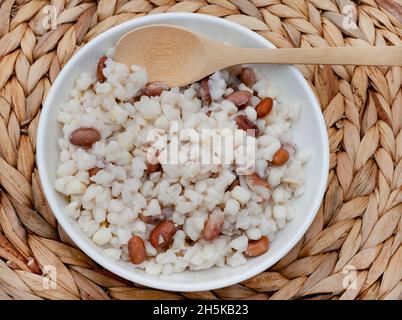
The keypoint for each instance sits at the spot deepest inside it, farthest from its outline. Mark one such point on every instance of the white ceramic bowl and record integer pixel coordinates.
(309, 132)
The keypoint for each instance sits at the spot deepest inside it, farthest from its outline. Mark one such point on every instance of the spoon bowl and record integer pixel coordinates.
(161, 51)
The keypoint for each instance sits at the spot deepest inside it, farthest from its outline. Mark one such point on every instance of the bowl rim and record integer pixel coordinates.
(156, 282)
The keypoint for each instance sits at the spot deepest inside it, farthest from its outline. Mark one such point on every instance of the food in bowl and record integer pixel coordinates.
(149, 180)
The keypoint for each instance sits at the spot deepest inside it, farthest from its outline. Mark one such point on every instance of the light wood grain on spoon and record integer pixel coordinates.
(178, 56)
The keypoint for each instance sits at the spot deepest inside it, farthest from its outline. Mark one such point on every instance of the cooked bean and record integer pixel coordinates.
(153, 167)
(136, 250)
(257, 247)
(240, 99)
(204, 91)
(247, 76)
(84, 137)
(99, 70)
(213, 226)
(154, 88)
(149, 219)
(264, 107)
(93, 171)
(280, 157)
(162, 234)
(246, 124)
(258, 181)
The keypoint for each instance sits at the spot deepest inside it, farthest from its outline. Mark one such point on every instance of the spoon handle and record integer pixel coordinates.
(381, 56)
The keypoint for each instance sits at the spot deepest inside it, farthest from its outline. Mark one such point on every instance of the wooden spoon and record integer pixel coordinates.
(179, 57)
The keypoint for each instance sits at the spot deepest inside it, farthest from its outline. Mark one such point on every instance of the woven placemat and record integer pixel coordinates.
(353, 248)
